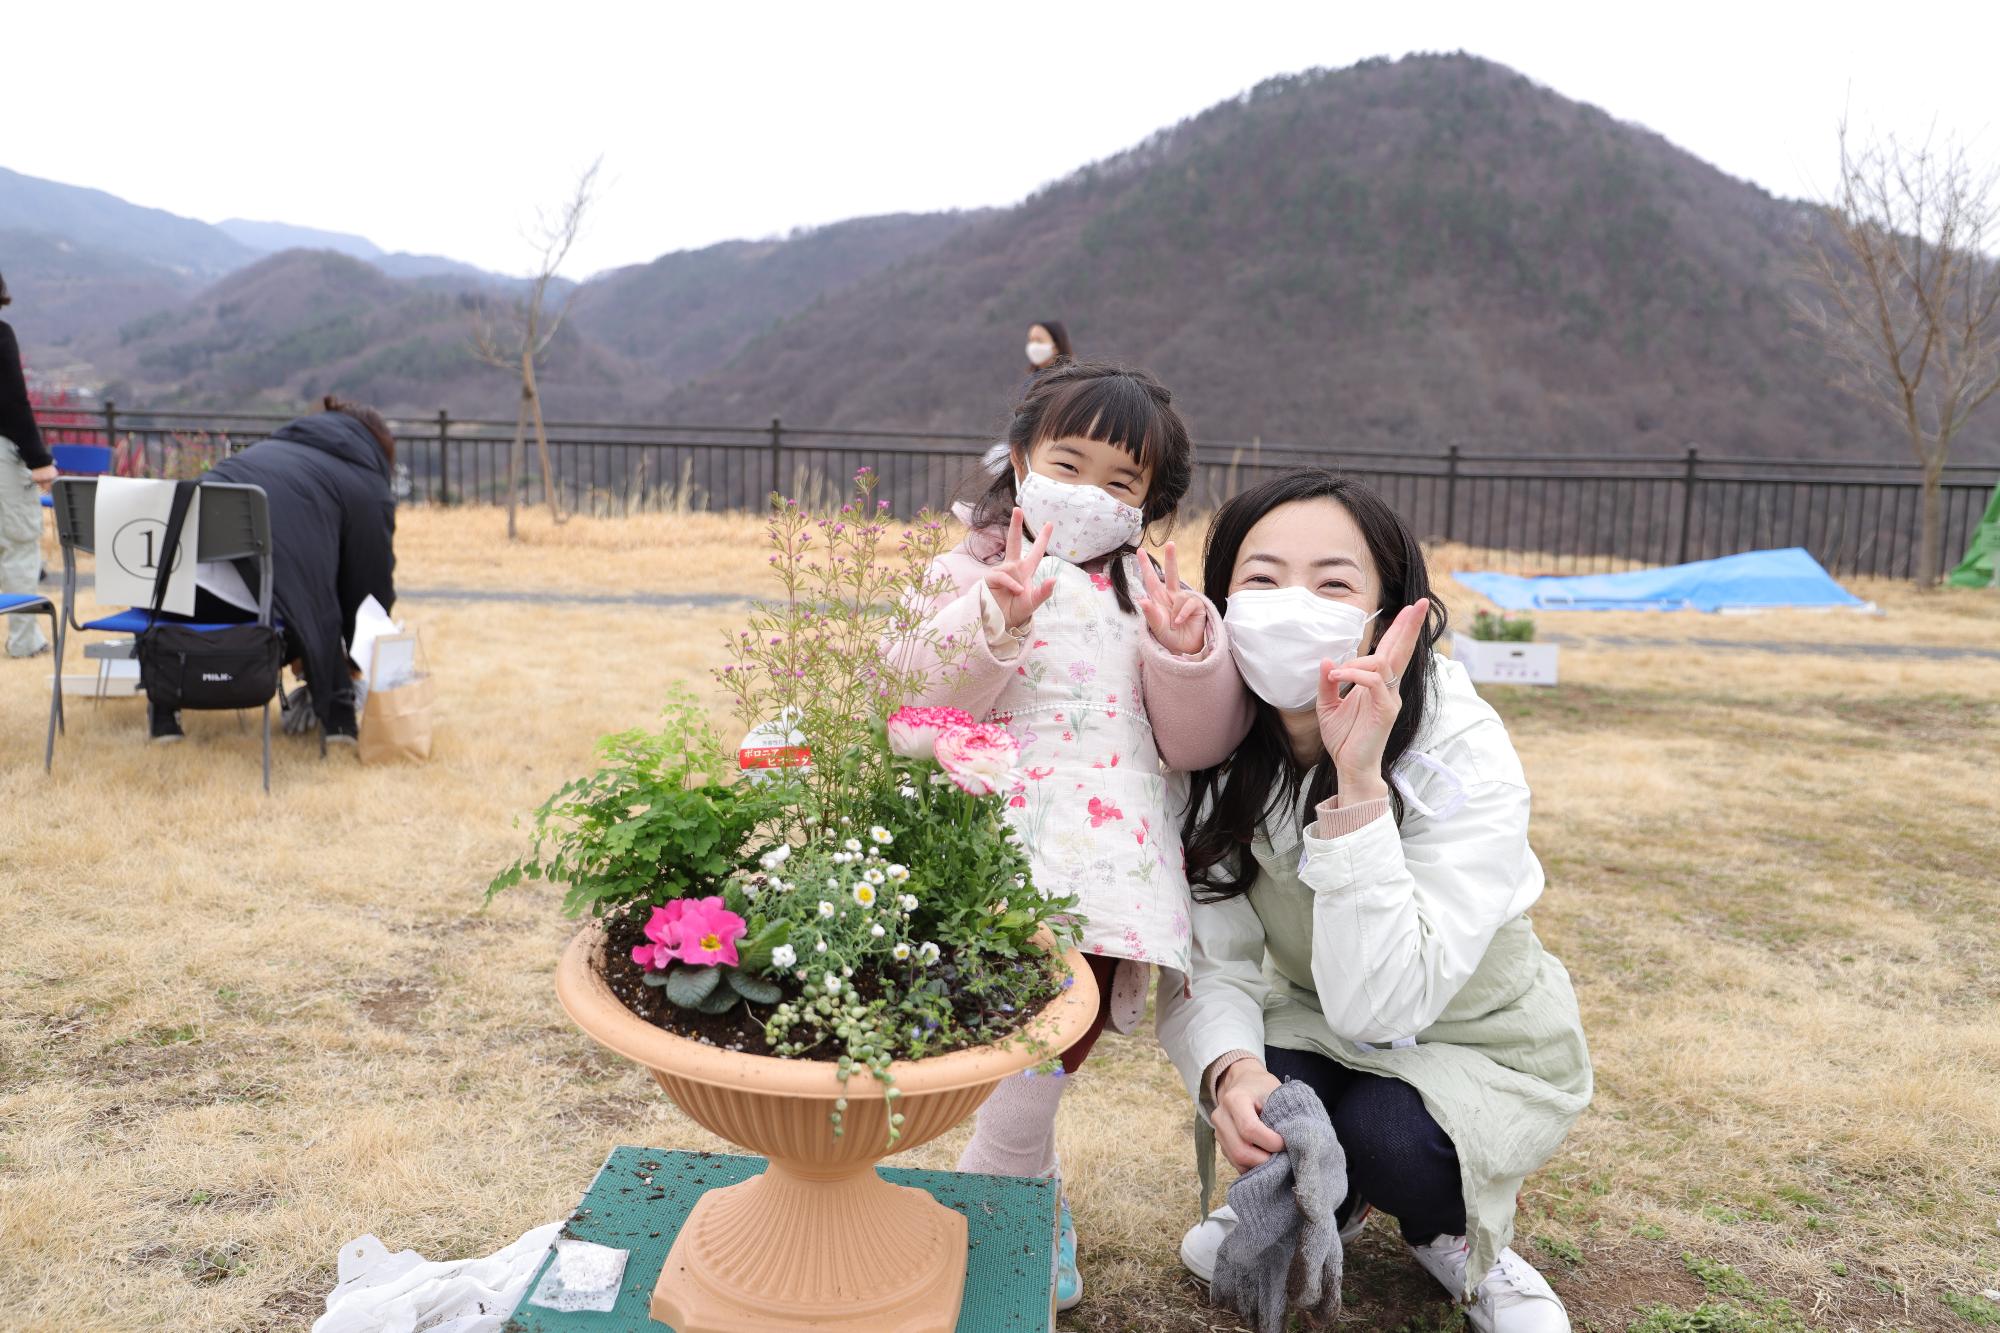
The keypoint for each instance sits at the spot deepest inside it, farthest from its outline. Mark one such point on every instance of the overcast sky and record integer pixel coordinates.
(439, 127)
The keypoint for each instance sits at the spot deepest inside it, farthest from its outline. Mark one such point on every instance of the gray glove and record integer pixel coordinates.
(1284, 1250)
(295, 713)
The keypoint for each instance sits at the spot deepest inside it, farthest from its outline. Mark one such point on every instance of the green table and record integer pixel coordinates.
(642, 1195)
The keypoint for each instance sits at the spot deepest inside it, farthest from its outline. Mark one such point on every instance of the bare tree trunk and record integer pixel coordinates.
(533, 392)
(1930, 530)
(514, 460)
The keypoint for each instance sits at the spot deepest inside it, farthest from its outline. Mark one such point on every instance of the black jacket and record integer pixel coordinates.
(333, 526)
(17, 419)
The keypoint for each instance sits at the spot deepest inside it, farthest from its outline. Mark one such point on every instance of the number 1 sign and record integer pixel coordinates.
(131, 527)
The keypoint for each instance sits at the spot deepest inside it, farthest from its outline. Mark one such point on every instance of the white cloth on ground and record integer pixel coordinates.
(380, 1292)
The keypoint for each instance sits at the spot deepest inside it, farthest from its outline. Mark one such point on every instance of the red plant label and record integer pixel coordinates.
(773, 756)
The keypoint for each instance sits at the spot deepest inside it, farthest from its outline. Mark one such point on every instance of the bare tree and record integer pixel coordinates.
(1904, 296)
(524, 332)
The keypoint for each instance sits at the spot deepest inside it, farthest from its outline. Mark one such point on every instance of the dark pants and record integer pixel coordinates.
(1102, 969)
(1398, 1158)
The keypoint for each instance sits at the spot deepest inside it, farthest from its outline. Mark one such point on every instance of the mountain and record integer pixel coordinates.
(301, 323)
(104, 222)
(689, 312)
(271, 237)
(1397, 255)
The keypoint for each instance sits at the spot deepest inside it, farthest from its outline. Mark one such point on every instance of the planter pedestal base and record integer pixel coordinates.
(796, 1249)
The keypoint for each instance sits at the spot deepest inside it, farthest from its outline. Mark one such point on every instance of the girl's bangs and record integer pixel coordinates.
(1113, 410)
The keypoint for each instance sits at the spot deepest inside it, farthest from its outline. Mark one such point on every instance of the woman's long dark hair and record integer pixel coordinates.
(1059, 335)
(1095, 400)
(1263, 780)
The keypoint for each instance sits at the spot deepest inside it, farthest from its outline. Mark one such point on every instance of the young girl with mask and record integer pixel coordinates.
(1109, 672)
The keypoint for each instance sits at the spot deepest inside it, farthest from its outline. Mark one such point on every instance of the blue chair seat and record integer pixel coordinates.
(136, 619)
(21, 601)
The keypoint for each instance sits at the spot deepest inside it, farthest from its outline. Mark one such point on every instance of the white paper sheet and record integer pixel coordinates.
(131, 529)
(371, 622)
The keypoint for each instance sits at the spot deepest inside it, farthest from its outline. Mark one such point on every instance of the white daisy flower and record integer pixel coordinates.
(832, 984)
(929, 952)
(784, 956)
(899, 873)
(776, 857)
(874, 876)
(825, 907)
(820, 947)
(852, 844)
(881, 835)
(864, 894)
(876, 932)
(901, 952)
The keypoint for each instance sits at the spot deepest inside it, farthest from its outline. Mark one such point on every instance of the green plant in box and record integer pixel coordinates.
(1502, 628)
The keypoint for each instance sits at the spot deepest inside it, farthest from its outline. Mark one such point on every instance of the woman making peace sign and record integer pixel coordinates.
(1370, 839)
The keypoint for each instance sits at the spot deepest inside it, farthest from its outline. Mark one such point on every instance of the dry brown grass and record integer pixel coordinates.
(235, 1031)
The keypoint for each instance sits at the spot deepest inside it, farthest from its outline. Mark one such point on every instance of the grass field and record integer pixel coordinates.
(237, 1031)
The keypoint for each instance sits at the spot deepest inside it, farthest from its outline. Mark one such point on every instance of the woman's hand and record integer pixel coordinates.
(1175, 613)
(1012, 581)
(1239, 1115)
(1355, 726)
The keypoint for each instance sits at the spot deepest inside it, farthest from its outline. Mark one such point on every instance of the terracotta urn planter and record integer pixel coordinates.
(819, 1240)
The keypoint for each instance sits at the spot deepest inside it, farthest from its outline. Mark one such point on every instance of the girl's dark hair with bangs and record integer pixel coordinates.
(1096, 400)
(1227, 803)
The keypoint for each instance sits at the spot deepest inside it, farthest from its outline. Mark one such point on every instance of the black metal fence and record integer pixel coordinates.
(1535, 512)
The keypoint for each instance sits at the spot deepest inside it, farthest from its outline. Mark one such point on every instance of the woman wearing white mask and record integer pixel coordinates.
(1361, 874)
(1048, 343)
(1109, 672)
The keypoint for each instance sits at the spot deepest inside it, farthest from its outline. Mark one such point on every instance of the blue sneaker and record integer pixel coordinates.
(1069, 1282)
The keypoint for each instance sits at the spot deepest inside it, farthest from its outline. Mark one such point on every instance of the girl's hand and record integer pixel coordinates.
(1238, 1118)
(1355, 726)
(1012, 581)
(1175, 613)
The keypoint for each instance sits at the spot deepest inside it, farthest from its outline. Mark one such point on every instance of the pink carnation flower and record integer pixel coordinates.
(913, 732)
(978, 758)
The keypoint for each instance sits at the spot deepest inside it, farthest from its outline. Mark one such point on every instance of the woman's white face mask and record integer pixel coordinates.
(1089, 521)
(1279, 636)
(1041, 353)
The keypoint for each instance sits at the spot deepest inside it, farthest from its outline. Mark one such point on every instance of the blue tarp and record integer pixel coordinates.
(1752, 581)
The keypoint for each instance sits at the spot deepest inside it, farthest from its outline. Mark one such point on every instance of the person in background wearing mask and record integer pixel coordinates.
(1361, 875)
(1048, 342)
(25, 470)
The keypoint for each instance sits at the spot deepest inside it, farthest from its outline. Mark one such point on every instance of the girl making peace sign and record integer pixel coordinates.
(1108, 672)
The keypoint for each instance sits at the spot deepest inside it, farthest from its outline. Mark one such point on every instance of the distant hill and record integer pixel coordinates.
(301, 323)
(1404, 254)
(689, 312)
(104, 222)
(271, 237)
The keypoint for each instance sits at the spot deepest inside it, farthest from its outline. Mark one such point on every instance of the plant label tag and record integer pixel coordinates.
(775, 744)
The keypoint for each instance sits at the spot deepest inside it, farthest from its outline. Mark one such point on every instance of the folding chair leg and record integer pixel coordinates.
(267, 746)
(56, 719)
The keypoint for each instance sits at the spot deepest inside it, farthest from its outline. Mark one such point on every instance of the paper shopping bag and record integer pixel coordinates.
(396, 720)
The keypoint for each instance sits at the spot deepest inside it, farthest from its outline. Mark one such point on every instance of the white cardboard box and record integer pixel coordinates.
(1505, 663)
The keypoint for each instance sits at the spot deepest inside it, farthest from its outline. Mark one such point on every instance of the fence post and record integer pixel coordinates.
(444, 457)
(111, 423)
(777, 457)
(1687, 501)
(1450, 488)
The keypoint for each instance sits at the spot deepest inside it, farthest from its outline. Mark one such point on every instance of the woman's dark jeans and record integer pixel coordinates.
(1398, 1158)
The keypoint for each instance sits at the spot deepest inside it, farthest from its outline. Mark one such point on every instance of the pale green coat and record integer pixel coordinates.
(1353, 946)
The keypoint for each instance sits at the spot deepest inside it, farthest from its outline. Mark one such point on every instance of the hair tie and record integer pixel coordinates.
(996, 460)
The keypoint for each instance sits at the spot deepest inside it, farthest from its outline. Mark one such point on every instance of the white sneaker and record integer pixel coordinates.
(1204, 1241)
(1514, 1298)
